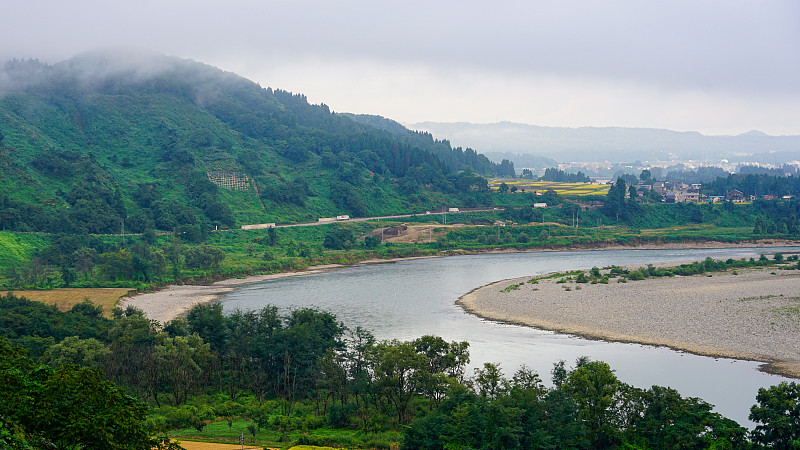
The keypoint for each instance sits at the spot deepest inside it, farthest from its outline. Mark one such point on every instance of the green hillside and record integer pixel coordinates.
(170, 144)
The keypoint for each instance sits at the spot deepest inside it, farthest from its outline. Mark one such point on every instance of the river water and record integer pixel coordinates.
(407, 299)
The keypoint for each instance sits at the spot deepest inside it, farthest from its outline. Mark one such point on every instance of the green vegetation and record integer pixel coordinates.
(137, 180)
(182, 157)
(191, 148)
(45, 261)
(304, 379)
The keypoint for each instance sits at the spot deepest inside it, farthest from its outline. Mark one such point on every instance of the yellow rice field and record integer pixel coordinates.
(66, 298)
(560, 188)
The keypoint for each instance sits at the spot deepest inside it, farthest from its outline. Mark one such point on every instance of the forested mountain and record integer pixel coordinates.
(165, 144)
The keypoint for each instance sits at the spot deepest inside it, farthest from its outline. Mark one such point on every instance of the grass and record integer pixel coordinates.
(64, 299)
(219, 431)
(195, 445)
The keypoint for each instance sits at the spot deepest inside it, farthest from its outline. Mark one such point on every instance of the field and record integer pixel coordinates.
(193, 445)
(560, 188)
(66, 298)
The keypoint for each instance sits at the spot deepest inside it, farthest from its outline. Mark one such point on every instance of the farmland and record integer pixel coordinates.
(568, 189)
(65, 299)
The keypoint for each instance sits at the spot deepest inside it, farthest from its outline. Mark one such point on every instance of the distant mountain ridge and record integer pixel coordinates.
(614, 143)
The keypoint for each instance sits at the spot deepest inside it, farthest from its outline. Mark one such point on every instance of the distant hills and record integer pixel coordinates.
(165, 143)
(614, 143)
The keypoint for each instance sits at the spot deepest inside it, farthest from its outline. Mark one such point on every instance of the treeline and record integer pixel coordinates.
(456, 158)
(757, 184)
(303, 370)
(82, 260)
(558, 175)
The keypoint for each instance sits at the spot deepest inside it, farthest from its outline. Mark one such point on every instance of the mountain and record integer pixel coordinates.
(165, 143)
(615, 143)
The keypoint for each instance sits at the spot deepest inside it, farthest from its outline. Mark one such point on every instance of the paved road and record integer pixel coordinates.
(399, 216)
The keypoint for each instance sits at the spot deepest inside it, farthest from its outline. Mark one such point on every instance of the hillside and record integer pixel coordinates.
(615, 143)
(164, 143)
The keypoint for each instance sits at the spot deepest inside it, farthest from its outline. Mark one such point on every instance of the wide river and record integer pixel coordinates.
(407, 299)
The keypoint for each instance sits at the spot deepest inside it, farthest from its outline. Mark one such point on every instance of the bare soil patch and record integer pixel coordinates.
(410, 234)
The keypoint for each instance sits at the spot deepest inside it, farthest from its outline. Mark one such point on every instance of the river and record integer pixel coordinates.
(407, 299)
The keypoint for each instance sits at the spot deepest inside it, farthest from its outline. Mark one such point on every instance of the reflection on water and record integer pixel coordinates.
(408, 299)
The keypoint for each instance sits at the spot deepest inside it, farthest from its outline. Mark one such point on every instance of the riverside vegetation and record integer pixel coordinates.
(106, 169)
(304, 378)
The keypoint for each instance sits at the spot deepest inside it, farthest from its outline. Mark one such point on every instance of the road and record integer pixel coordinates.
(398, 216)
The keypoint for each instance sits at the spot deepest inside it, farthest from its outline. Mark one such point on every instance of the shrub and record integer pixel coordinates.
(636, 275)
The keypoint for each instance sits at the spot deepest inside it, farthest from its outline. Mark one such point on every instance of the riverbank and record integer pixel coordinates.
(748, 314)
(175, 300)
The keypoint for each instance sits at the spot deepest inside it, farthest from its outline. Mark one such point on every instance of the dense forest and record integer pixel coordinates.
(161, 143)
(303, 371)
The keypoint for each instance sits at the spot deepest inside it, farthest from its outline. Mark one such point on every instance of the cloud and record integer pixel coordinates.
(572, 62)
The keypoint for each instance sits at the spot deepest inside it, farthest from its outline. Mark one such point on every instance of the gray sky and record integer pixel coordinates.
(718, 67)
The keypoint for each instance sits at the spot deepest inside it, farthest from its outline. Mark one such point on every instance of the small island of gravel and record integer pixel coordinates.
(749, 314)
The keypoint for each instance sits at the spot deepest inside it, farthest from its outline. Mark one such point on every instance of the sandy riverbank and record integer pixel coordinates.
(753, 315)
(173, 301)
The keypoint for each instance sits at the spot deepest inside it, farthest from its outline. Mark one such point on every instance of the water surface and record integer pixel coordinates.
(407, 299)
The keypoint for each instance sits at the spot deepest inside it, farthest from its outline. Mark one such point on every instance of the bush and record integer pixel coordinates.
(203, 257)
(339, 416)
(636, 275)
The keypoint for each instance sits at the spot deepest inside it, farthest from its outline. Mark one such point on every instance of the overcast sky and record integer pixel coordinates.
(718, 67)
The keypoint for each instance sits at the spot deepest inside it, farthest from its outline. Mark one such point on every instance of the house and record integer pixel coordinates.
(735, 196)
(692, 196)
(675, 197)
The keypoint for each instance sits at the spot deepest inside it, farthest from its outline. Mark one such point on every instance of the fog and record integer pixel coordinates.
(718, 67)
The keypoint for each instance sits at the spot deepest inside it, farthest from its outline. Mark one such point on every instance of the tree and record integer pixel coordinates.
(503, 188)
(339, 238)
(372, 242)
(89, 353)
(69, 407)
(777, 415)
(489, 381)
(307, 337)
(203, 257)
(395, 369)
(660, 418)
(207, 320)
(181, 360)
(593, 386)
(445, 366)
